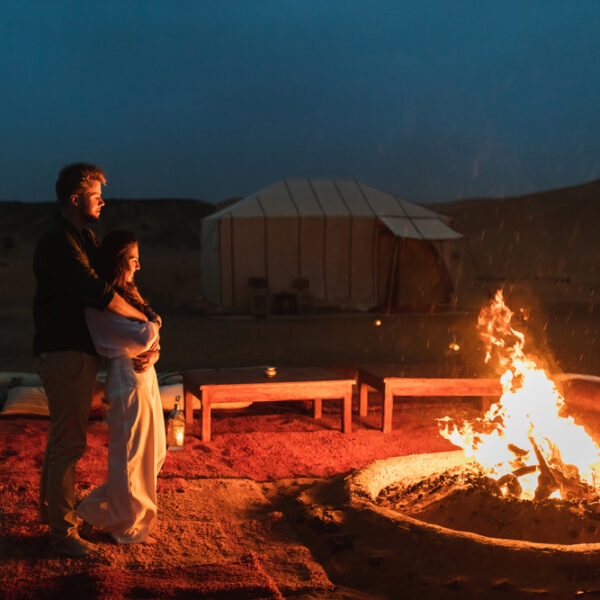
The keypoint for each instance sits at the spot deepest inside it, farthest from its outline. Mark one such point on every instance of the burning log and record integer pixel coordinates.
(518, 465)
(511, 482)
(518, 452)
(525, 470)
(571, 486)
(559, 476)
(547, 484)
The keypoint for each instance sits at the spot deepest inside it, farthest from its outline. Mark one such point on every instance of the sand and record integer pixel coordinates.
(225, 507)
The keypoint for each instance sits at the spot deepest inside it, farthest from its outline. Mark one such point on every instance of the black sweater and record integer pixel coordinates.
(65, 284)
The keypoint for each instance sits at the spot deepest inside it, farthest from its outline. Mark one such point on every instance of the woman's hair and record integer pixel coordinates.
(112, 267)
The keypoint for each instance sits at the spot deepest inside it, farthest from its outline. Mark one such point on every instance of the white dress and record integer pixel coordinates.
(125, 505)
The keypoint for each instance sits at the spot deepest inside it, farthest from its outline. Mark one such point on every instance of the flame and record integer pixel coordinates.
(523, 437)
(179, 437)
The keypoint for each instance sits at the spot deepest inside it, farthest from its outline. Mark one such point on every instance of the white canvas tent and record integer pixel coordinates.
(353, 245)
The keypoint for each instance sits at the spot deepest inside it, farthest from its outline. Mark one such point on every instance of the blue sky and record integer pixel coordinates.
(431, 100)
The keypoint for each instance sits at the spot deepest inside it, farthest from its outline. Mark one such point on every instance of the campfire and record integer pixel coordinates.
(524, 443)
(516, 510)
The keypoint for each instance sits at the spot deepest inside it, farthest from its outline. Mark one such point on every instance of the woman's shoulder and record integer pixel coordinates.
(103, 315)
(109, 317)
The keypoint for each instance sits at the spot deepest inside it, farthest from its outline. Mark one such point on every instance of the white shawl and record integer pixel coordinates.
(115, 336)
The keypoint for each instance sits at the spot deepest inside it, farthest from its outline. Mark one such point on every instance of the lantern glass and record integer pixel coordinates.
(175, 428)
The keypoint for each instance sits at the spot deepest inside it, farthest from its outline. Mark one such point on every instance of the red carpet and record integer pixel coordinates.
(262, 442)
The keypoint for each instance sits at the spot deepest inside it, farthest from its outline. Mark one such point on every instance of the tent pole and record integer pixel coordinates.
(458, 272)
(392, 278)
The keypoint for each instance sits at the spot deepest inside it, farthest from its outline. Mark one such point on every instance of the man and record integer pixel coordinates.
(64, 353)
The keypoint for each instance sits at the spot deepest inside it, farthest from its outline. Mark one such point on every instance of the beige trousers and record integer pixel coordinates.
(69, 379)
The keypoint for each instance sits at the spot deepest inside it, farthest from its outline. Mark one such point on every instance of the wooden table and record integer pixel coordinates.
(393, 381)
(215, 386)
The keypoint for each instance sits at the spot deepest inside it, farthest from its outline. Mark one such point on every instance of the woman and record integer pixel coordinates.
(125, 506)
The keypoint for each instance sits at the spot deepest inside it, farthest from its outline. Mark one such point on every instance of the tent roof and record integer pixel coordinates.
(341, 197)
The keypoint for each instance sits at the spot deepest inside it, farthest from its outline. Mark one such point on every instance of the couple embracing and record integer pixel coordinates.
(87, 305)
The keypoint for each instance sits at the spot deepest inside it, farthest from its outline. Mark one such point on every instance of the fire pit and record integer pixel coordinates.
(465, 499)
(475, 561)
(520, 503)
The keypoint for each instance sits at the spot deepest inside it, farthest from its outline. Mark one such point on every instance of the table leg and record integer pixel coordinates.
(188, 405)
(347, 411)
(388, 408)
(363, 402)
(317, 408)
(205, 417)
(487, 401)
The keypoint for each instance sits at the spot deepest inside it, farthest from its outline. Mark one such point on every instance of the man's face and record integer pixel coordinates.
(90, 202)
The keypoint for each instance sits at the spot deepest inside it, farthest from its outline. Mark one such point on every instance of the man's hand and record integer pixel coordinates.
(142, 362)
(121, 307)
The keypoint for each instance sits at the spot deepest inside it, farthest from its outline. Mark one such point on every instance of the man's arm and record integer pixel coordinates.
(77, 273)
(121, 307)
(68, 263)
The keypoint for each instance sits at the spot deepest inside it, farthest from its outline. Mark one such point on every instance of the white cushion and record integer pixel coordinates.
(24, 379)
(31, 400)
(169, 378)
(22, 400)
(169, 392)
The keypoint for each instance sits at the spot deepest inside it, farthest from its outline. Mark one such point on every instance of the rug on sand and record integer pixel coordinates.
(241, 579)
(213, 515)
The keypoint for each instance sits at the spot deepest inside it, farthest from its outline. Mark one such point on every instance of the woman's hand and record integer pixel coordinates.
(142, 362)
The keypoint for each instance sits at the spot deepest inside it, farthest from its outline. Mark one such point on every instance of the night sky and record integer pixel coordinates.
(430, 99)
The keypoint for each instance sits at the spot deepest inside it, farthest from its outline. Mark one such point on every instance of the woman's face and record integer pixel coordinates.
(132, 262)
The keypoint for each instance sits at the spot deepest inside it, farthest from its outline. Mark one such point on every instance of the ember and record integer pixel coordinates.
(522, 442)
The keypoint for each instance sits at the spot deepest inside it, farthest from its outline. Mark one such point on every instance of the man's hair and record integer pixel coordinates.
(76, 178)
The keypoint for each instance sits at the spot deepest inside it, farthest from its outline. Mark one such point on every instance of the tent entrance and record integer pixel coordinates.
(411, 274)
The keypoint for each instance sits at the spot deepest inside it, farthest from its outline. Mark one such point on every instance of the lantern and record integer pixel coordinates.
(175, 427)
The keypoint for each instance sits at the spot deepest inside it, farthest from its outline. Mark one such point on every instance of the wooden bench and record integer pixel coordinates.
(251, 384)
(392, 381)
